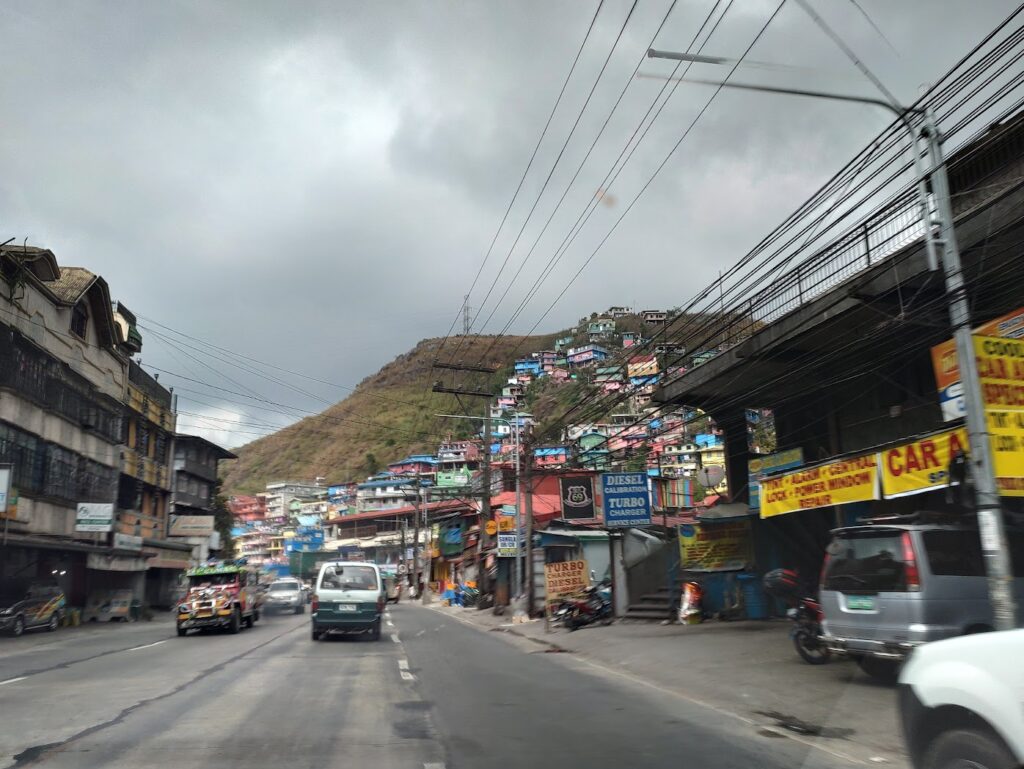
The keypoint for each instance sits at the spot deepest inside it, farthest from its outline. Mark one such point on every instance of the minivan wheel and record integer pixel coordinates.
(968, 749)
(18, 626)
(882, 670)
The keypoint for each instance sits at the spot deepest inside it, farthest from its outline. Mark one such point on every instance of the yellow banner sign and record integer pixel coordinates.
(837, 483)
(921, 465)
(724, 546)
(1001, 371)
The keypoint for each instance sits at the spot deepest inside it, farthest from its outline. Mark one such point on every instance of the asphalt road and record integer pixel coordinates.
(433, 692)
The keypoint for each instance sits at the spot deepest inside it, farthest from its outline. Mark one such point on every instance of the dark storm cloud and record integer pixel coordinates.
(315, 184)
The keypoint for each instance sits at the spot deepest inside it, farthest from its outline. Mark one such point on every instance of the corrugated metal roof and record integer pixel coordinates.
(72, 284)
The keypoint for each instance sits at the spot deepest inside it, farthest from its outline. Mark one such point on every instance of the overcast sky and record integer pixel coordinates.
(316, 184)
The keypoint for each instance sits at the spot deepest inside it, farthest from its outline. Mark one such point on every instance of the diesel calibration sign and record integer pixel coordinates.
(627, 502)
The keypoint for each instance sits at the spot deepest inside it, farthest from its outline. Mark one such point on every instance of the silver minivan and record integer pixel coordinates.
(887, 588)
(349, 597)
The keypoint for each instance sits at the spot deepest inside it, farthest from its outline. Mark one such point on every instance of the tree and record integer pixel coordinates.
(223, 521)
(370, 463)
(638, 461)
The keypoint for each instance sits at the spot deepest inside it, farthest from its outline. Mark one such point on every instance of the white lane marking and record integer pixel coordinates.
(433, 766)
(13, 680)
(407, 676)
(389, 623)
(394, 637)
(421, 632)
(403, 664)
(146, 646)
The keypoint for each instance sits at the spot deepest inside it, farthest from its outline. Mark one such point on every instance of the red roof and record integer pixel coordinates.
(545, 506)
(450, 505)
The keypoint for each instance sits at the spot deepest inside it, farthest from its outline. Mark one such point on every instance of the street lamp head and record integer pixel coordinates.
(653, 53)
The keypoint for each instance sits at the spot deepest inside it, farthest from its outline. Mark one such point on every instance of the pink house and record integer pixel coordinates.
(559, 374)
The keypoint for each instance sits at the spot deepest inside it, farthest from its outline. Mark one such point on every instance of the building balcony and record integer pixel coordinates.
(198, 469)
(186, 499)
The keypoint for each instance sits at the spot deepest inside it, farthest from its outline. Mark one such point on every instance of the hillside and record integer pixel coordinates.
(391, 414)
(388, 416)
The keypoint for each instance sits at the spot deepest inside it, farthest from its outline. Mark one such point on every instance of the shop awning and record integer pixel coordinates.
(725, 510)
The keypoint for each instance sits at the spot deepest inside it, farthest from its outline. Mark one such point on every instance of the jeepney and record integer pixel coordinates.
(220, 596)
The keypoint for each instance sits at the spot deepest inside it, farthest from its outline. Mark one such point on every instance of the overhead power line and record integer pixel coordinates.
(551, 171)
(467, 323)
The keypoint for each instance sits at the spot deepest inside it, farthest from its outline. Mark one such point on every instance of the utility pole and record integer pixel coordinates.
(465, 316)
(528, 498)
(416, 546)
(994, 545)
(484, 539)
(403, 525)
(421, 493)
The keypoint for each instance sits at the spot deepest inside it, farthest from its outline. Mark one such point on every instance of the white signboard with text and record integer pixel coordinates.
(94, 516)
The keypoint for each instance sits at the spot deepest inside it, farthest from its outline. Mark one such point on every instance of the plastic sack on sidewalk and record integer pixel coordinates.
(691, 604)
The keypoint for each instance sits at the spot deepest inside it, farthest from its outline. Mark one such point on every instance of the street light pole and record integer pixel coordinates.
(990, 521)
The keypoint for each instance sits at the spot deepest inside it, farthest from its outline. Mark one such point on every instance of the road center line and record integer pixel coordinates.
(146, 646)
(394, 637)
(13, 680)
(407, 676)
(403, 664)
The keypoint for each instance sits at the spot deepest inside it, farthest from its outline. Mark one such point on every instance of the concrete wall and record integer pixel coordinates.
(49, 326)
(55, 429)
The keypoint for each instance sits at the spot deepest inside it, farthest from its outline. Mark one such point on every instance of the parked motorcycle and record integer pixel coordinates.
(593, 605)
(804, 611)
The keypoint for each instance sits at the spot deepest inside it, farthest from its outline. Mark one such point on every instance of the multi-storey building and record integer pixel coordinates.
(192, 499)
(87, 434)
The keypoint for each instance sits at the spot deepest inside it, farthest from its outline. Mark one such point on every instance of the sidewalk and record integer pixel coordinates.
(747, 668)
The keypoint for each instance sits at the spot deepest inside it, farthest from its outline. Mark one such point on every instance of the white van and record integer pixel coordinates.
(348, 598)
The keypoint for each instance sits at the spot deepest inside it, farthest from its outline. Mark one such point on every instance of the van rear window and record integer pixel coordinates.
(866, 562)
(349, 578)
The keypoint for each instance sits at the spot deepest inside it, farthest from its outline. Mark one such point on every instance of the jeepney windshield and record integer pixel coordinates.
(208, 580)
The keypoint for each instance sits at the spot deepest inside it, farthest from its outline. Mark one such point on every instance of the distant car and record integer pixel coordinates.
(960, 702)
(285, 595)
(887, 588)
(23, 607)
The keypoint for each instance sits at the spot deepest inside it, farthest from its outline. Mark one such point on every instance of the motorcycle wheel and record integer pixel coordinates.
(572, 622)
(810, 649)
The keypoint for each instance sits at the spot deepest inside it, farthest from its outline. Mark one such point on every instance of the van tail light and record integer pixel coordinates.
(910, 564)
(381, 603)
(314, 604)
(824, 570)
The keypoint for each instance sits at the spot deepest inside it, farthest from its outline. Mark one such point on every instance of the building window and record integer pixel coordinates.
(160, 449)
(79, 320)
(142, 438)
